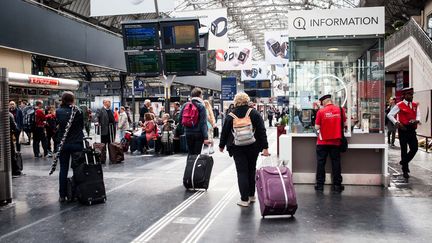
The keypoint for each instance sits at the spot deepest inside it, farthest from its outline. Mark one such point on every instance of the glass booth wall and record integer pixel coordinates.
(351, 70)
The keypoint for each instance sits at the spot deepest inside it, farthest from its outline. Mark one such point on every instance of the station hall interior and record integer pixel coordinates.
(215, 121)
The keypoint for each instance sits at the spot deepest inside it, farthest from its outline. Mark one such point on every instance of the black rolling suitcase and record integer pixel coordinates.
(87, 184)
(198, 171)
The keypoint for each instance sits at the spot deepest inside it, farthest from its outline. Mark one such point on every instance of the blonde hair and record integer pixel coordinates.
(241, 99)
(210, 115)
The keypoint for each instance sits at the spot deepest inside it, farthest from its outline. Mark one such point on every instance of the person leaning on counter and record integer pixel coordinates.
(328, 126)
(408, 119)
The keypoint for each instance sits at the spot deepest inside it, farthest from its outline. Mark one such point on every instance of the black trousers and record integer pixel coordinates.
(322, 151)
(51, 137)
(391, 136)
(195, 142)
(270, 118)
(17, 140)
(407, 138)
(39, 137)
(245, 160)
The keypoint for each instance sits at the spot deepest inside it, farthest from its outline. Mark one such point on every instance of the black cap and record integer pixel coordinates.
(405, 90)
(327, 96)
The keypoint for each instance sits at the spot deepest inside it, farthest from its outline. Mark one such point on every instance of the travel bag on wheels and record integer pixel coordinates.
(115, 150)
(87, 183)
(275, 191)
(100, 149)
(198, 171)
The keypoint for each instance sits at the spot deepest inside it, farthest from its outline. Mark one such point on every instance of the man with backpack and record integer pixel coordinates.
(39, 131)
(194, 120)
(28, 119)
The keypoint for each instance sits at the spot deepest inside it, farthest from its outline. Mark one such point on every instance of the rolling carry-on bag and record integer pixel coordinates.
(115, 150)
(198, 171)
(275, 191)
(87, 184)
(100, 149)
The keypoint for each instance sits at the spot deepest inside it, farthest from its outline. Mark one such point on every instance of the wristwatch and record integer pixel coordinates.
(215, 27)
(232, 56)
(243, 56)
(221, 55)
(274, 47)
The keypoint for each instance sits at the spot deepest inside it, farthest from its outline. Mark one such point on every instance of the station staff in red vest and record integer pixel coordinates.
(329, 131)
(408, 116)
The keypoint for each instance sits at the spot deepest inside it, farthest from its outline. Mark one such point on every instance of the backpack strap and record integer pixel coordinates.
(232, 115)
(248, 112)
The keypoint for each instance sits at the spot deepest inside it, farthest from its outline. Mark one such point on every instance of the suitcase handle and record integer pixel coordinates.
(208, 148)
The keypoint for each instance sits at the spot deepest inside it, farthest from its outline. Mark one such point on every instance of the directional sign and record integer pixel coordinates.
(229, 88)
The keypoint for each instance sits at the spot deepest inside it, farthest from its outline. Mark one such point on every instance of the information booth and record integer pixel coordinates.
(347, 63)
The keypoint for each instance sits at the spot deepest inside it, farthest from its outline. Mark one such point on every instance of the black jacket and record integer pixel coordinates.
(75, 134)
(227, 138)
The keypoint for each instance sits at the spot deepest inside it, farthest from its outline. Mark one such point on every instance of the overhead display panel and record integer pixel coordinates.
(276, 47)
(126, 7)
(182, 62)
(144, 64)
(237, 56)
(180, 34)
(216, 21)
(141, 36)
(337, 22)
(259, 71)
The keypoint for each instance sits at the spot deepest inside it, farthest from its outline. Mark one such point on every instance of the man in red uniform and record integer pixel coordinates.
(408, 119)
(329, 131)
(39, 131)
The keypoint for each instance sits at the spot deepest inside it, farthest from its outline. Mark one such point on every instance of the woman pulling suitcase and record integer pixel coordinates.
(244, 135)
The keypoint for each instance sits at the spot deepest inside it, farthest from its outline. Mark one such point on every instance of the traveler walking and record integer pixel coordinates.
(106, 122)
(328, 126)
(144, 109)
(51, 127)
(18, 118)
(39, 136)
(123, 123)
(270, 114)
(408, 118)
(74, 140)
(391, 128)
(194, 121)
(244, 135)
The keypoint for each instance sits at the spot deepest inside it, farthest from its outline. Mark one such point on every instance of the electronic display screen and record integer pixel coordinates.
(263, 93)
(178, 35)
(147, 64)
(141, 36)
(264, 84)
(250, 84)
(182, 62)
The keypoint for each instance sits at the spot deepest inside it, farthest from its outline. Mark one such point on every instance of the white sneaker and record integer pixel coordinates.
(252, 199)
(243, 203)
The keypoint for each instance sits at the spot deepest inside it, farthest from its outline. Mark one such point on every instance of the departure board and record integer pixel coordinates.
(146, 64)
(182, 62)
(138, 37)
(183, 35)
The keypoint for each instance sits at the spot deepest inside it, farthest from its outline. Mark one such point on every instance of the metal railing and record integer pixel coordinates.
(411, 28)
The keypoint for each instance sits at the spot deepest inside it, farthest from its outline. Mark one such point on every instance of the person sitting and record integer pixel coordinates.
(149, 133)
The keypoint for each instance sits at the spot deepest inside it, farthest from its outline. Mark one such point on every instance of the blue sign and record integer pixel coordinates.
(229, 88)
(139, 85)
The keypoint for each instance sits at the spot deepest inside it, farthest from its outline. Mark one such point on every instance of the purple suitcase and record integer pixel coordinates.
(275, 197)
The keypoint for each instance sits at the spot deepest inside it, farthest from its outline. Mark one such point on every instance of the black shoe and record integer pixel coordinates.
(17, 173)
(38, 156)
(338, 188)
(62, 199)
(319, 187)
(406, 175)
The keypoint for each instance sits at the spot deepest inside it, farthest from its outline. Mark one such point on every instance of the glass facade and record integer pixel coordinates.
(351, 70)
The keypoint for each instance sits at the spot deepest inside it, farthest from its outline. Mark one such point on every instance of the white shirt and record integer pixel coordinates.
(395, 110)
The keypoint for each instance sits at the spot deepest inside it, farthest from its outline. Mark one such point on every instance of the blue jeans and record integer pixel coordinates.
(65, 156)
(142, 142)
(121, 134)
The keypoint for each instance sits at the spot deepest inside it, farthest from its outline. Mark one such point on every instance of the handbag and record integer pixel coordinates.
(344, 142)
(23, 138)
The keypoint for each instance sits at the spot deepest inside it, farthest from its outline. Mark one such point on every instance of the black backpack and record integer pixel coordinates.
(29, 119)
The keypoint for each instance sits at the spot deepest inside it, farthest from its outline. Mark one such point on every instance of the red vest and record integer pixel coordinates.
(407, 114)
(329, 119)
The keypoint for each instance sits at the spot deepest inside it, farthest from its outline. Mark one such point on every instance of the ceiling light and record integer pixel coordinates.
(333, 49)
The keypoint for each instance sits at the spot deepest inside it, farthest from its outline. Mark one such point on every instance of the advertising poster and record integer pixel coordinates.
(276, 47)
(216, 21)
(125, 7)
(237, 56)
(259, 71)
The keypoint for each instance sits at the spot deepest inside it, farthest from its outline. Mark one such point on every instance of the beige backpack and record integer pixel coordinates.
(243, 131)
